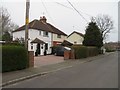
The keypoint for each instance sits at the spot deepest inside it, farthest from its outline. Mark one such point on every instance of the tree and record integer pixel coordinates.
(104, 23)
(93, 37)
(6, 25)
(6, 37)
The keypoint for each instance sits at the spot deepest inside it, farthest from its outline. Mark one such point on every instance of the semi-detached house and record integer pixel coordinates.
(42, 36)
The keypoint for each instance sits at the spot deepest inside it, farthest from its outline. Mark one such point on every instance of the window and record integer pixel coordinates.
(46, 46)
(45, 34)
(31, 46)
(39, 32)
(58, 36)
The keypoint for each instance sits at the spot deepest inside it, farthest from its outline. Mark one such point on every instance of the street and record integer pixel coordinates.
(99, 73)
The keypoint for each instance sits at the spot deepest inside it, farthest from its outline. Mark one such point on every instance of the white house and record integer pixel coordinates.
(58, 35)
(41, 36)
(75, 38)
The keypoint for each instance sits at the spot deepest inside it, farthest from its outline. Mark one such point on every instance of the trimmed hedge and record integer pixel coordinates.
(92, 51)
(13, 43)
(14, 58)
(83, 51)
(80, 51)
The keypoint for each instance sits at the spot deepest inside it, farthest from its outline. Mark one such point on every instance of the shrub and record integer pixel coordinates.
(13, 43)
(14, 58)
(83, 51)
(80, 51)
(110, 50)
(92, 51)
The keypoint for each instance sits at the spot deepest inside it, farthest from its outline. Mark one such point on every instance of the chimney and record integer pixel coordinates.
(43, 19)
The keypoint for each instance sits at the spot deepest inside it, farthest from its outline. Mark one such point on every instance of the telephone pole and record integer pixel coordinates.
(27, 23)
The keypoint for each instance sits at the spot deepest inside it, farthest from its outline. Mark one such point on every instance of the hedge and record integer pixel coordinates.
(13, 43)
(84, 51)
(92, 51)
(14, 58)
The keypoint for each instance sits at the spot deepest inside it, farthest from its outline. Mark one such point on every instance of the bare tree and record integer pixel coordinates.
(104, 23)
(6, 25)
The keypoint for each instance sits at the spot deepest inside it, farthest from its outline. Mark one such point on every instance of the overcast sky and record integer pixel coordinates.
(65, 17)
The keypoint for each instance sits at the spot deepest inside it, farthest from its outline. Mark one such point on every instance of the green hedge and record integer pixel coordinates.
(92, 51)
(83, 51)
(80, 51)
(14, 58)
(13, 43)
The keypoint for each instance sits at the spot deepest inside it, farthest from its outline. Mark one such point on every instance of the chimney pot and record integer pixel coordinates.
(43, 19)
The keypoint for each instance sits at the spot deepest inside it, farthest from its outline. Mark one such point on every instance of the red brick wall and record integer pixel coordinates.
(66, 55)
(31, 58)
(69, 55)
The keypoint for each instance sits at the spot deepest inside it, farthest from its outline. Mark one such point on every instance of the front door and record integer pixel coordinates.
(38, 49)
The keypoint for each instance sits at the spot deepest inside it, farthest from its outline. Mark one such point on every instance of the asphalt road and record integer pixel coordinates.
(100, 73)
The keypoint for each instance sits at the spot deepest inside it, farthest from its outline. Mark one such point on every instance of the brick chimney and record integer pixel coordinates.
(43, 19)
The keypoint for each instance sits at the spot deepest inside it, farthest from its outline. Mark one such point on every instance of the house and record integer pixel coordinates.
(58, 35)
(42, 36)
(75, 38)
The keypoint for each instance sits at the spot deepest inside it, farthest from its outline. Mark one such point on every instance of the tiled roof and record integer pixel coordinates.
(36, 40)
(77, 33)
(39, 25)
(55, 30)
(66, 43)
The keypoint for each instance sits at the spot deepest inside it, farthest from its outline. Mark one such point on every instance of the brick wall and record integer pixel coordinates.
(31, 58)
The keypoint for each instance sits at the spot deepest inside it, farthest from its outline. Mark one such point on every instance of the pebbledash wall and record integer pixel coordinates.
(33, 33)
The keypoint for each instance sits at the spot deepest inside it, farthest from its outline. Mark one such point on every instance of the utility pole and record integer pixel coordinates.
(27, 23)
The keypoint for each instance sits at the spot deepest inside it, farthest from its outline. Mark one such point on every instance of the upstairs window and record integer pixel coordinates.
(39, 32)
(45, 34)
(58, 36)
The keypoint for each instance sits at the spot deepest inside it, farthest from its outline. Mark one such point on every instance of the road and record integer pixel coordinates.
(100, 73)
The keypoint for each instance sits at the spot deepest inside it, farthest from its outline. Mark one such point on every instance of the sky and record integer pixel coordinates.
(60, 13)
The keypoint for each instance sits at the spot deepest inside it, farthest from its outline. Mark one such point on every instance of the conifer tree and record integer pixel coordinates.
(93, 37)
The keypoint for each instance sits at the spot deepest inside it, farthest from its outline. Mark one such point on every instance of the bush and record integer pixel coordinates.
(92, 51)
(13, 43)
(83, 51)
(80, 51)
(110, 50)
(14, 58)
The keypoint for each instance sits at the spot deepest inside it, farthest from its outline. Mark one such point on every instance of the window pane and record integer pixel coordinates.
(58, 36)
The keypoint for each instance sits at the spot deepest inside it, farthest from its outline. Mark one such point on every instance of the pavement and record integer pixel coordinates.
(17, 76)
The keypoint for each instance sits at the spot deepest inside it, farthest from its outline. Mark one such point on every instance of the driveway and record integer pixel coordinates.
(47, 60)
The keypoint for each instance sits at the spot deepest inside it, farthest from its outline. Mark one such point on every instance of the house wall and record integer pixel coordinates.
(75, 38)
(32, 35)
(56, 39)
(19, 35)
